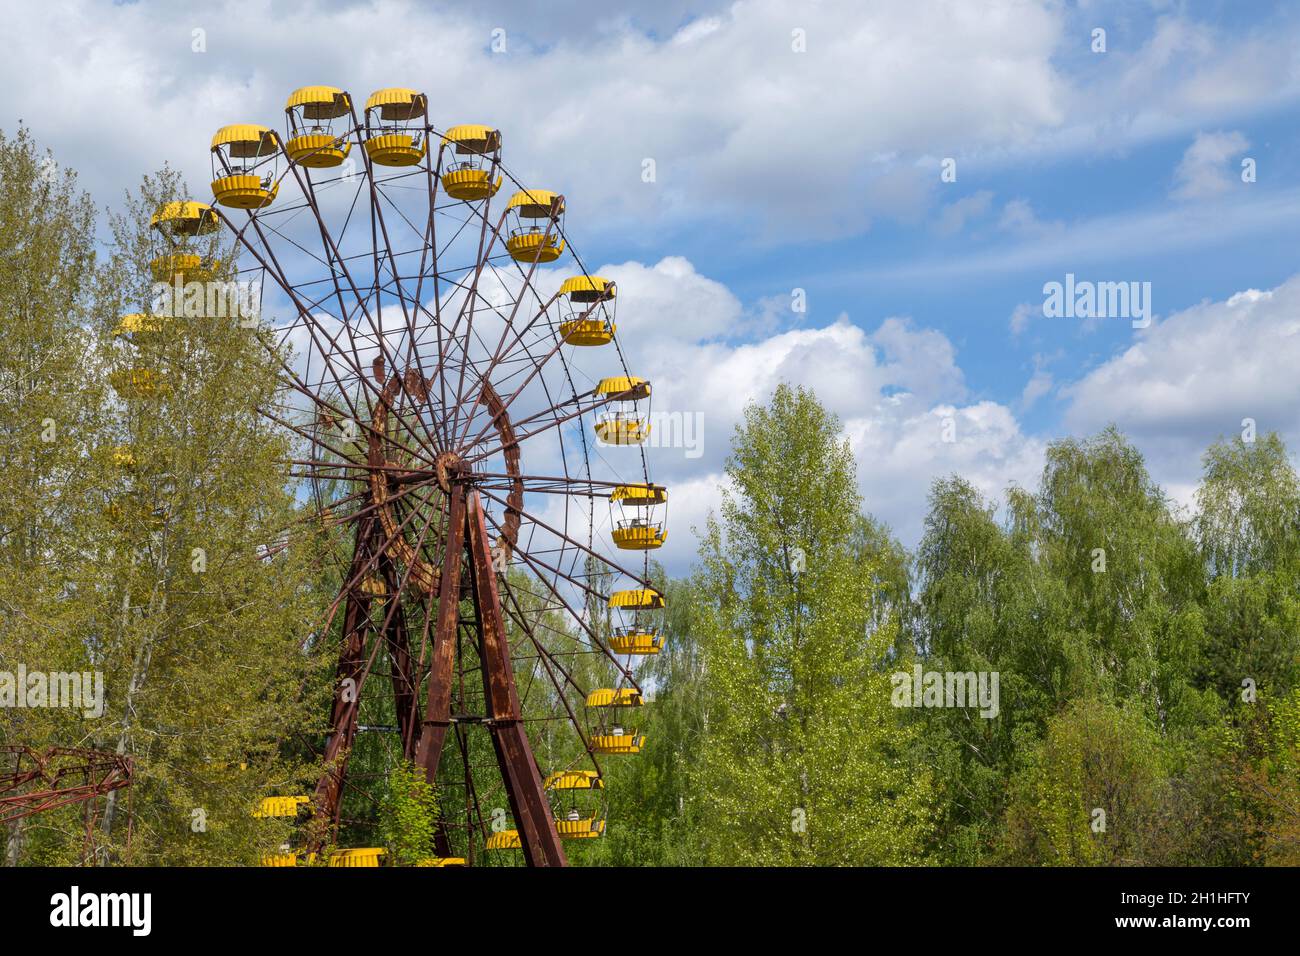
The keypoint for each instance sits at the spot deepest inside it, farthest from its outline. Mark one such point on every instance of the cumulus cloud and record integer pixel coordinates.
(1206, 168)
(1196, 375)
(954, 216)
(897, 388)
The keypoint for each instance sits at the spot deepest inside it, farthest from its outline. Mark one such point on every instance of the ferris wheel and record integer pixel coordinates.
(473, 443)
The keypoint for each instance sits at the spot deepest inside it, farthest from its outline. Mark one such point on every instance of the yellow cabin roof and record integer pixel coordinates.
(608, 697)
(618, 384)
(639, 494)
(643, 598)
(588, 284)
(575, 780)
(398, 103)
(196, 217)
(247, 139)
(504, 840)
(534, 203)
(319, 102)
(137, 322)
(473, 138)
(280, 806)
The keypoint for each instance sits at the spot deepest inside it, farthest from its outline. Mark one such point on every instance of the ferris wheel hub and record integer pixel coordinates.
(449, 467)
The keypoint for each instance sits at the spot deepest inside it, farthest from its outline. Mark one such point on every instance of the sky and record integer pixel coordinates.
(870, 199)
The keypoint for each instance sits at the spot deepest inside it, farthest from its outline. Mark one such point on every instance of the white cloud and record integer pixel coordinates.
(1206, 168)
(892, 388)
(954, 216)
(1018, 216)
(1021, 315)
(1195, 376)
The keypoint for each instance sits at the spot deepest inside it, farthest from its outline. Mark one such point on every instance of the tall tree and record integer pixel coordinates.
(52, 426)
(204, 594)
(803, 759)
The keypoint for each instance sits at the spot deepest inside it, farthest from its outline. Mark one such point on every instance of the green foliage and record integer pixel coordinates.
(1089, 793)
(408, 816)
(802, 758)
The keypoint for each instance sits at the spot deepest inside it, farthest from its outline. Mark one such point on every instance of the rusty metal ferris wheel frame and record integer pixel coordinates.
(448, 452)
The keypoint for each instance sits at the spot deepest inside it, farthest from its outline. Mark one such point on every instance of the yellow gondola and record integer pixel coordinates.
(637, 599)
(140, 323)
(530, 239)
(178, 222)
(313, 141)
(244, 166)
(580, 828)
(641, 528)
(504, 840)
(138, 383)
(361, 856)
(184, 218)
(623, 424)
(636, 640)
(590, 317)
(280, 806)
(574, 780)
(477, 152)
(442, 861)
(617, 742)
(394, 135)
(609, 697)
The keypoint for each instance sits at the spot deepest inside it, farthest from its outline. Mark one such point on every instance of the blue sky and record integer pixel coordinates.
(818, 169)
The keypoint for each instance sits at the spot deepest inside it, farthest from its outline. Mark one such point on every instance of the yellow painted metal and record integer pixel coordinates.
(504, 840)
(621, 429)
(610, 697)
(584, 829)
(318, 150)
(244, 191)
(536, 203)
(588, 288)
(280, 806)
(168, 268)
(472, 138)
(636, 642)
(247, 140)
(140, 323)
(639, 494)
(361, 856)
(442, 861)
(185, 217)
(319, 102)
(398, 103)
(618, 743)
(639, 536)
(394, 149)
(535, 247)
(574, 780)
(637, 599)
(373, 585)
(587, 332)
(280, 859)
(138, 382)
(469, 184)
(634, 387)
